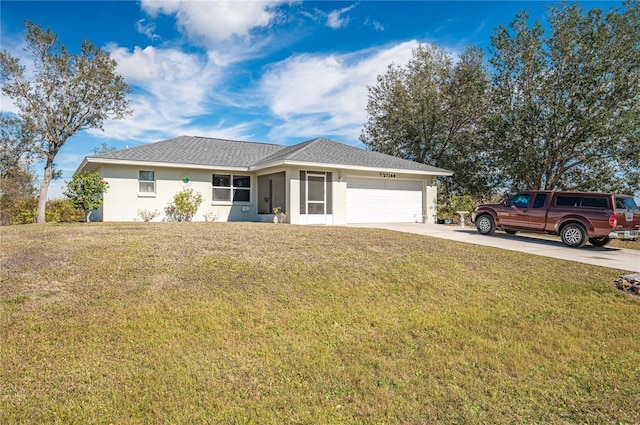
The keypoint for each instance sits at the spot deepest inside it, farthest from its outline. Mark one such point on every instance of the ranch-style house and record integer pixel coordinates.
(315, 182)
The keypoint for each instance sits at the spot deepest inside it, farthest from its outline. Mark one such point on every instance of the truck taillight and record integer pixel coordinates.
(613, 220)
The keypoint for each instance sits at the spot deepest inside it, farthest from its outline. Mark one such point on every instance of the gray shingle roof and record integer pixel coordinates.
(324, 151)
(196, 150)
(211, 152)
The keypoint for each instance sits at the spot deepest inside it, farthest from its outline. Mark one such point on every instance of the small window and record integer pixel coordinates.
(595, 202)
(541, 199)
(146, 182)
(227, 187)
(567, 201)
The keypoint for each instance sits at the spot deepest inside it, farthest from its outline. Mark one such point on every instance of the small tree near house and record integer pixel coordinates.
(85, 191)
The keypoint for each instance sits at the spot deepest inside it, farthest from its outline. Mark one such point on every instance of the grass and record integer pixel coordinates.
(254, 323)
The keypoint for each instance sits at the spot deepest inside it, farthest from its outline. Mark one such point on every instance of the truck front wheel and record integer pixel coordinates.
(485, 224)
(574, 235)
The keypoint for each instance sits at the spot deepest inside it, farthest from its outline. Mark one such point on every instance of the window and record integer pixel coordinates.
(520, 201)
(541, 199)
(147, 182)
(625, 204)
(228, 188)
(567, 201)
(595, 202)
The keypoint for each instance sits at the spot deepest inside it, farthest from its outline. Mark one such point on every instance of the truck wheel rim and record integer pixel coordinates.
(573, 236)
(484, 224)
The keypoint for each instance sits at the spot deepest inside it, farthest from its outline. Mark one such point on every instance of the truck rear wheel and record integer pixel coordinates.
(485, 224)
(574, 235)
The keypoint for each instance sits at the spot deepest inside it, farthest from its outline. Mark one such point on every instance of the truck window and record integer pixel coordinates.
(567, 201)
(540, 200)
(595, 202)
(520, 201)
(626, 204)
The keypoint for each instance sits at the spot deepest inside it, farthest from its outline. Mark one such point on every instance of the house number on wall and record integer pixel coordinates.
(388, 175)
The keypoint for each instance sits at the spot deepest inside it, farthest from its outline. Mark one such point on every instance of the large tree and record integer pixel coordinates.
(65, 93)
(566, 103)
(429, 111)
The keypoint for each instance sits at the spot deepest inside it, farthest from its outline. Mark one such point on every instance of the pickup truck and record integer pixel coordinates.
(577, 217)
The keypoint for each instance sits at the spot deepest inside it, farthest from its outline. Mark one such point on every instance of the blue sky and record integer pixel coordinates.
(266, 71)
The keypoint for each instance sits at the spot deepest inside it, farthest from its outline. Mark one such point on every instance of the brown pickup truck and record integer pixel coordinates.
(577, 217)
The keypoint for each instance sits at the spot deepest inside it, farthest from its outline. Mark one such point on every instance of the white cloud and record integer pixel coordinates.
(7, 105)
(147, 29)
(210, 22)
(172, 76)
(335, 18)
(171, 89)
(319, 95)
(375, 24)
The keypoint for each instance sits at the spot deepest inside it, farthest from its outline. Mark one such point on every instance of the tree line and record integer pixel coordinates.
(554, 109)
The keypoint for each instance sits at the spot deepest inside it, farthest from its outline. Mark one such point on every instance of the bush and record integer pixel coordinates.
(23, 211)
(184, 206)
(462, 203)
(454, 204)
(148, 215)
(63, 211)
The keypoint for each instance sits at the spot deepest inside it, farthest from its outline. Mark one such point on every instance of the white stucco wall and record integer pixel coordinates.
(122, 201)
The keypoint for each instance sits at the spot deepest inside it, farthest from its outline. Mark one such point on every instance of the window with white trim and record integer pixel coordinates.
(231, 188)
(147, 182)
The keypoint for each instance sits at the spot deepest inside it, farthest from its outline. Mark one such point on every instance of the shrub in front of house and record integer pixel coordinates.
(148, 215)
(184, 206)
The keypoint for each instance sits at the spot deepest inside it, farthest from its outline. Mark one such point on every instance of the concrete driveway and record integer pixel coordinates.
(615, 258)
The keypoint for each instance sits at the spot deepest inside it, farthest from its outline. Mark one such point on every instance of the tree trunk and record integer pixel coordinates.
(44, 189)
(88, 216)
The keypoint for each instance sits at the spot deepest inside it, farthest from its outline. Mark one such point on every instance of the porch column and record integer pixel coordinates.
(292, 183)
(430, 200)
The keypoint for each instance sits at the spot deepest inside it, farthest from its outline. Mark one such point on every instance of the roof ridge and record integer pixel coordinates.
(222, 140)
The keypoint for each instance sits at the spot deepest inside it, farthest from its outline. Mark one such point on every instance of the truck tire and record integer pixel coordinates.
(485, 224)
(574, 235)
(600, 241)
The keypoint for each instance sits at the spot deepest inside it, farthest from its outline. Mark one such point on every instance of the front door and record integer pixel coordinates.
(316, 202)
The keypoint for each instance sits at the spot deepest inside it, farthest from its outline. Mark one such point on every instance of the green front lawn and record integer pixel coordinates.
(262, 323)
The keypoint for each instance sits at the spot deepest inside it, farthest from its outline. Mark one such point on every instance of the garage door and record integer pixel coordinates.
(383, 200)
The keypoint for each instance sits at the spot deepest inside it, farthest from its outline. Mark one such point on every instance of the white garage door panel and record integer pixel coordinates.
(383, 200)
